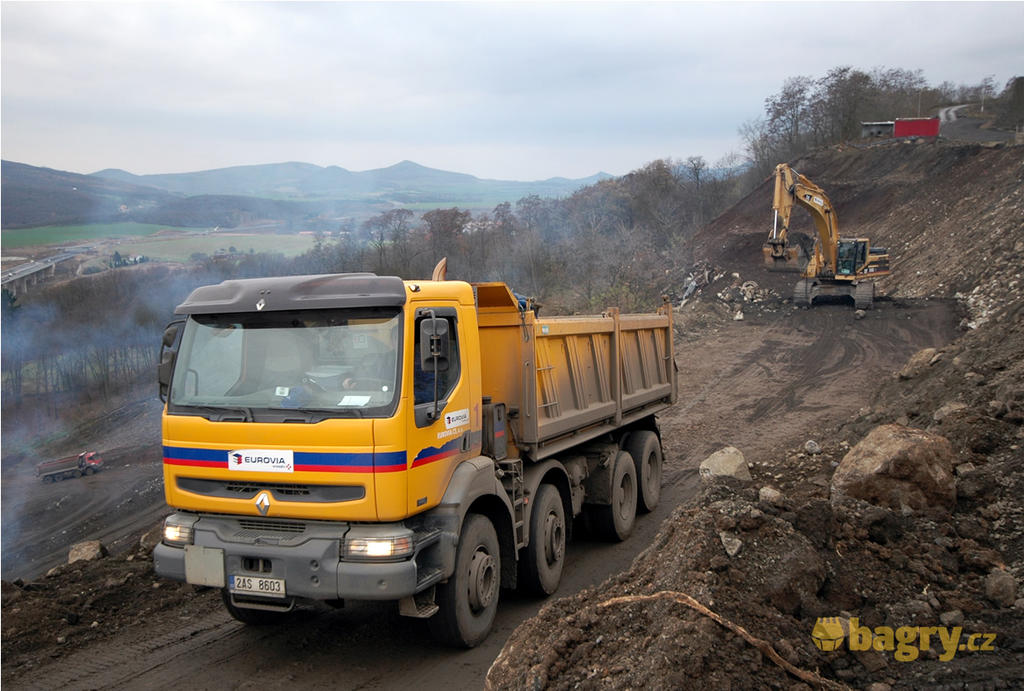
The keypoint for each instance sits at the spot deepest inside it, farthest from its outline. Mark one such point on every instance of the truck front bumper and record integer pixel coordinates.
(306, 555)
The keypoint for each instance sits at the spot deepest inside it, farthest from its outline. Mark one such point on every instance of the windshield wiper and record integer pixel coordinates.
(221, 411)
(321, 414)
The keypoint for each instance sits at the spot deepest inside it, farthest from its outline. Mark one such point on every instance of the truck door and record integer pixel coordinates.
(438, 442)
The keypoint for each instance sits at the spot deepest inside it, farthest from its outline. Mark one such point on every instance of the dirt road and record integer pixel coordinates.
(763, 385)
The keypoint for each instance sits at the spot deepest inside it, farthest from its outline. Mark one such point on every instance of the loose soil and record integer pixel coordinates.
(765, 384)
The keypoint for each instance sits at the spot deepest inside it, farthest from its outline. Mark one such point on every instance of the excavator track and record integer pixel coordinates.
(864, 295)
(803, 293)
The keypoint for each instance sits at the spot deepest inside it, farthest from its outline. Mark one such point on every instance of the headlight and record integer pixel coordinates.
(367, 548)
(178, 529)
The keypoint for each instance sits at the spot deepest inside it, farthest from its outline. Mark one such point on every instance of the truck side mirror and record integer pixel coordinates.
(168, 354)
(435, 343)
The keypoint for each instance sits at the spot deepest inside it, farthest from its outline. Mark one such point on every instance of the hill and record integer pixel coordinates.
(295, 195)
(949, 213)
(404, 182)
(772, 555)
(33, 196)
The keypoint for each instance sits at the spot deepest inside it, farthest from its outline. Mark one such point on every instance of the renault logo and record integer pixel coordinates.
(263, 503)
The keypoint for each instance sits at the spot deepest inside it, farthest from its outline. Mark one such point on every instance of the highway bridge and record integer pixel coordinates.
(21, 278)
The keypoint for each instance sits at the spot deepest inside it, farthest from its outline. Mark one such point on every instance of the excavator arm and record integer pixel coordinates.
(792, 189)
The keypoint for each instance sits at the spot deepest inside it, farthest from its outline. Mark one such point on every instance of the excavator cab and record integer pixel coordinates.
(851, 255)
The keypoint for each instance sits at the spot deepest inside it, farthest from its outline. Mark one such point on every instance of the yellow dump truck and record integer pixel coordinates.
(360, 437)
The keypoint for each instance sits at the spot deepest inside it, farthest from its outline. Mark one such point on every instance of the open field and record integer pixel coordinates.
(179, 248)
(55, 235)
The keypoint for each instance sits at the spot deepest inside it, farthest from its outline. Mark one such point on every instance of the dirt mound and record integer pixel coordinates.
(592, 638)
(952, 215)
(88, 602)
(774, 568)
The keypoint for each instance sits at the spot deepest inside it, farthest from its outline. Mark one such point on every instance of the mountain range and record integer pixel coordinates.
(34, 196)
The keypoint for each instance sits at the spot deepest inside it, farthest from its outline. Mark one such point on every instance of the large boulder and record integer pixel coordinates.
(1001, 588)
(90, 550)
(899, 468)
(728, 462)
(917, 363)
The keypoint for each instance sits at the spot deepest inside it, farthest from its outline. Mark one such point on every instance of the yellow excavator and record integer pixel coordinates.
(833, 265)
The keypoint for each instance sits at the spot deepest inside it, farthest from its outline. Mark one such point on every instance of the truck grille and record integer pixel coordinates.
(285, 492)
(264, 525)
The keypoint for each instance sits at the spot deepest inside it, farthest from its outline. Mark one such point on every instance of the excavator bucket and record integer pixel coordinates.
(785, 258)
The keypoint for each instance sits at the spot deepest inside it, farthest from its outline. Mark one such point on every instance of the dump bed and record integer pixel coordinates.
(569, 379)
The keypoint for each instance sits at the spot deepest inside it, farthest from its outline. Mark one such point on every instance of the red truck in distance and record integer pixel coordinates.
(85, 463)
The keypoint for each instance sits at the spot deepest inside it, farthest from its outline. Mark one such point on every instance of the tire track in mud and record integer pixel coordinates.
(763, 383)
(42, 520)
(105, 667)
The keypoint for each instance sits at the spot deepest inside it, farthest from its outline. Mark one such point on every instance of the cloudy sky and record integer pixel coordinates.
(511, 91)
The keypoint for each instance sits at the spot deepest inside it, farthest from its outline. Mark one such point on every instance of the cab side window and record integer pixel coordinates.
(423, 378)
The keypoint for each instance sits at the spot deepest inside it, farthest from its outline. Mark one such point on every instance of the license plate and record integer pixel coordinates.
(254, 585)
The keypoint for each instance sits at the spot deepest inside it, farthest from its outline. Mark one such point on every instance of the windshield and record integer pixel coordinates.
(332, 363)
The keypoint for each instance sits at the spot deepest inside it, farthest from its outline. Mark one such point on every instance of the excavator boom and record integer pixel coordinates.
(780, 252)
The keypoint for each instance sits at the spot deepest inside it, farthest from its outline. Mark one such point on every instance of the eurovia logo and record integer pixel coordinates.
(456, 418)
(262, 460)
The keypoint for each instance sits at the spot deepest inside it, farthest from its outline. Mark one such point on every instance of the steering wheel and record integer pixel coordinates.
(361, 382)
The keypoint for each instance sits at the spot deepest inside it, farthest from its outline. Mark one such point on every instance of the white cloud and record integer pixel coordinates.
(498, 90)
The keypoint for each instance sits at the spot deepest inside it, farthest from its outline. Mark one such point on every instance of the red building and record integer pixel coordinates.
(916, 127)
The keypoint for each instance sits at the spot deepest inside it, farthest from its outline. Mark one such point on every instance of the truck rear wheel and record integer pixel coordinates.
(544, 557)
(645, 449)
(468, 601)
(615, 521)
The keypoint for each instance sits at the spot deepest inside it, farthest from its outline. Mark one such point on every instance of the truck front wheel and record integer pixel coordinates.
(544, 557)
(468, 601)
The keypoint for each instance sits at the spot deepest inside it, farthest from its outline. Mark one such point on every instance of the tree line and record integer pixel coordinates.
(807, 112)
(608, 243)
